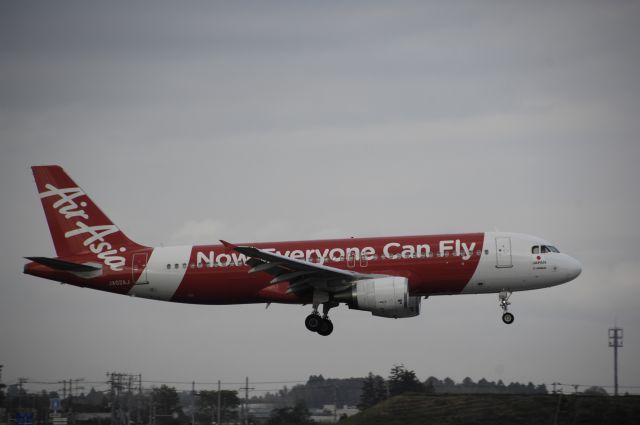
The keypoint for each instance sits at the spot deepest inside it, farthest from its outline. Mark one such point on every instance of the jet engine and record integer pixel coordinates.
(385, 297)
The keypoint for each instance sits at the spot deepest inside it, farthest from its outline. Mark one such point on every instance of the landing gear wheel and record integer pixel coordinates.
(312, 322)
(504, 296)
(507, 318)
(325, 328)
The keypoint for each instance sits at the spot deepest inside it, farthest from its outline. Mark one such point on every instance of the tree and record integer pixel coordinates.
(313, 379)
(402, 380)
(596, 391)
(433, 385)
(208, 405)
(429, 388)
(468, 383)
(448, 385)
(541, 389)
(167, 405)
(374, 390)
(297, 415)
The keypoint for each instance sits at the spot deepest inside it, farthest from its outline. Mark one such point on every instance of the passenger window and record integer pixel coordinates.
(168, 266)
(184, 265)
(535, 250)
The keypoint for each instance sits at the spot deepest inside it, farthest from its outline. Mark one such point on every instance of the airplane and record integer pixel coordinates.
(386, 276)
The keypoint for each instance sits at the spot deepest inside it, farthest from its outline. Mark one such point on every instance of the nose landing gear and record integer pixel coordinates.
(507, 317)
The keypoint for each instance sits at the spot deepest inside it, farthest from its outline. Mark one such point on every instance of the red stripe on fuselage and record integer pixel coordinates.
(230, 284)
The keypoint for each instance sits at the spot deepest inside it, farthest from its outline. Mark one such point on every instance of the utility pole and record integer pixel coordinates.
(335, 403)
(116, 381)
(246, 400)
(129, 396)
(139, 401)
(70, 402)
(122, 392)
(21, 382)
(112, 392)
(615, 341)
(74, 387)
(193, 402)
(219, 403)
(152, 413)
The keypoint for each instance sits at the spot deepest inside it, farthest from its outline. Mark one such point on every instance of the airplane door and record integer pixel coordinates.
(503, 252)
(139, 268)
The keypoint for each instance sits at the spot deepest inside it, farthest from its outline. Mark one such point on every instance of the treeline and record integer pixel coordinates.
(401, 380)
(467, 386)
(316, 393)
(173, 407)
(370, 390)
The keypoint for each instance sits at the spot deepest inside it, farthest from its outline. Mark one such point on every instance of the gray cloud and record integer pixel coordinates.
(293, 121)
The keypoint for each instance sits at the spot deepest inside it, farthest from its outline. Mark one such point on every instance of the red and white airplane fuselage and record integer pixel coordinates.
(386, 276)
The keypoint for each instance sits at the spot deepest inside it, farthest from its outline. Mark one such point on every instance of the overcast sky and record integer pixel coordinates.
(264, 121)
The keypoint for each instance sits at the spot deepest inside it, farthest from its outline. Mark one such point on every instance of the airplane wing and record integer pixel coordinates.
(301, 275)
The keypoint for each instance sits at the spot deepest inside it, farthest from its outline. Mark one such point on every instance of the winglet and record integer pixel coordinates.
(228, 245)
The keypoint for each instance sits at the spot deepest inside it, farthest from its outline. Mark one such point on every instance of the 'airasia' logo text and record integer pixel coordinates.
(94, 235)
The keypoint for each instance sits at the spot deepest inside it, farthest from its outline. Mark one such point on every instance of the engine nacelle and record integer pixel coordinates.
(385, 297)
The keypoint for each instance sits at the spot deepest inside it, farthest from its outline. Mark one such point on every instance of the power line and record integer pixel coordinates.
(201, 383)
(138, 382)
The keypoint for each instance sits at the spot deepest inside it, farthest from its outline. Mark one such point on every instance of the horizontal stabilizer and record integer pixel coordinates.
(66, 266)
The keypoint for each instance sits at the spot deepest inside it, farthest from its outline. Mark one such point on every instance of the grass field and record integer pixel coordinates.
(495, 409)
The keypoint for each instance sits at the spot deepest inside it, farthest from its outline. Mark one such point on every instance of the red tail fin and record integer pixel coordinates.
(76, 223)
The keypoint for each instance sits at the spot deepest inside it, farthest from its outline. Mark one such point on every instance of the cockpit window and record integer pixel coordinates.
(535, 250)
(548, 248)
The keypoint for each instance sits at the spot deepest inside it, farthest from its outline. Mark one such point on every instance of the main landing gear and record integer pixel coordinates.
(507, 317)
(321, 325)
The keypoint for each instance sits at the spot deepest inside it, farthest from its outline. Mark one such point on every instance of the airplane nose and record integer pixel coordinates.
(575, 268)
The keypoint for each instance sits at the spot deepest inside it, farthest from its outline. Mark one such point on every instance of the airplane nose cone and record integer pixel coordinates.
(575, 268)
